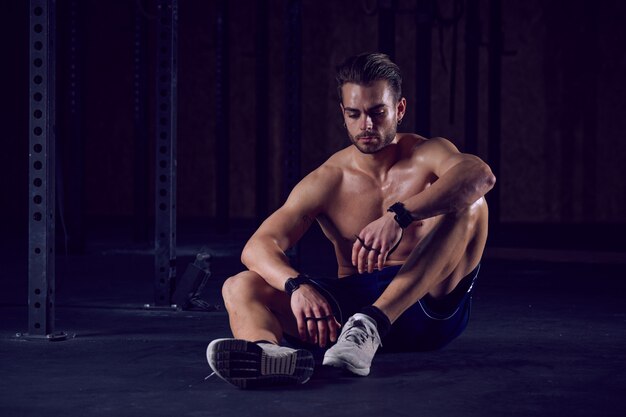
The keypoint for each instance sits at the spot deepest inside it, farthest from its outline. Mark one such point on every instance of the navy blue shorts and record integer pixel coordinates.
(427, 325)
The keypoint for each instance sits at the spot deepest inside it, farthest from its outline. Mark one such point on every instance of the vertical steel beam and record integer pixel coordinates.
(423, 53)
(41, 240)
(472, 45)
(166, 110)
(222, 117)
(293, 98)
(262, 97)
(140, 124)
(387, 27)
(494, 101)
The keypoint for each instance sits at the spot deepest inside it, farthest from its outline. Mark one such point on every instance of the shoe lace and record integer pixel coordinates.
(357, 332)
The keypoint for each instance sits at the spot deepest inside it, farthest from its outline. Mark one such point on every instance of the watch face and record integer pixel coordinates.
(292, 284)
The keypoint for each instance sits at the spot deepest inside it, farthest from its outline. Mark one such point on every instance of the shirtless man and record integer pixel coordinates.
(408, 221)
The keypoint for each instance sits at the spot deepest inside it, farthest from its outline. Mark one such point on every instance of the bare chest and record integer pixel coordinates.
(359, 200)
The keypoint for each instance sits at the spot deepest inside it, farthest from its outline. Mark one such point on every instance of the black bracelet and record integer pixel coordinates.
(403, 216)
(293, 284)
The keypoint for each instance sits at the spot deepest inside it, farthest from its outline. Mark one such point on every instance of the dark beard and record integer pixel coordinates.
(371, 149)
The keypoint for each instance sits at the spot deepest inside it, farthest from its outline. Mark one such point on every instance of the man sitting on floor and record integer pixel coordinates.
(408, 221)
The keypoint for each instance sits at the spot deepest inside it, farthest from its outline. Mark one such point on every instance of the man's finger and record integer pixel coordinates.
(356, 247)
(322, 331)
(302, 331)
(371, 260)
(381, 259)
(311, 325)
(362, 260)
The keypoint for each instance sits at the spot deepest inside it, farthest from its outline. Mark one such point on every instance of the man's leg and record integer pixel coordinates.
(435, 267)
(453, 249)
(258, 316)
(256, 310)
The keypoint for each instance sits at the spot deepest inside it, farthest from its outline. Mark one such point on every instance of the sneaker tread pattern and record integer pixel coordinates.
(245, 364)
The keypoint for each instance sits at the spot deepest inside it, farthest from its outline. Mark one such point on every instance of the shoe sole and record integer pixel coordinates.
(245, 365)
(340, 363)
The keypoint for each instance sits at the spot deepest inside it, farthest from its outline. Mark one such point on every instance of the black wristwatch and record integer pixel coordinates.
(403, 216)
(293, 284)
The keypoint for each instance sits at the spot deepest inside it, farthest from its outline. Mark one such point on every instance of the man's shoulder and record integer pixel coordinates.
(414, 145)
(327, 175)
(334, 166)
(410, 139)
(316, 187)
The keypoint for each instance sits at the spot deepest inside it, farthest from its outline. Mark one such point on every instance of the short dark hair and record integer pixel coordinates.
(366, 68)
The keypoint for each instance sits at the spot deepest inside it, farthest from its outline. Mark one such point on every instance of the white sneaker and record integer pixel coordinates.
(356, 346)
(251, 365)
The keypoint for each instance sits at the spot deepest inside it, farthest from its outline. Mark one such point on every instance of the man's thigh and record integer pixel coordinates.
(250, 287)
(428, 325)
(431, 324)
(349, 295)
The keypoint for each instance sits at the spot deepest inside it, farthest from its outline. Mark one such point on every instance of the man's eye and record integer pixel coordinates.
(353, 116)
(379, 114)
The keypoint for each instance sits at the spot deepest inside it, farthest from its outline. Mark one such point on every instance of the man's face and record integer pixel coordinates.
(371, 115)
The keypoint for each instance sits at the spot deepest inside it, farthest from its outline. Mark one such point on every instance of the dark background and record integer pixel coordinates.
(563, 106)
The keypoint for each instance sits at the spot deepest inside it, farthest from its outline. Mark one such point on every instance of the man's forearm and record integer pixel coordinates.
(263, 256)
(459, 188)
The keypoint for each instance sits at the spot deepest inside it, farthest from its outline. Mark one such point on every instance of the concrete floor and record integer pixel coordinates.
(544, 340)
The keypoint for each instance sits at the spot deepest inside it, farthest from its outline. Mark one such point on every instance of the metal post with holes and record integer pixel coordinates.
(41, 250)
(165, 199)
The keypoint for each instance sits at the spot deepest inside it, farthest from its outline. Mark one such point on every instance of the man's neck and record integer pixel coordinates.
(377, 164)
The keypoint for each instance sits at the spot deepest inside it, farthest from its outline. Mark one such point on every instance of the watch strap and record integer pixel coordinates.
(402, 215)
(293, 284)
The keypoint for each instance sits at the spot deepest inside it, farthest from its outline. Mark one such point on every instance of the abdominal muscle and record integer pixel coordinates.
(411, 238)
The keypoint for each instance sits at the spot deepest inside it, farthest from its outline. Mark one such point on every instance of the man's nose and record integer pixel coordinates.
(366, 123)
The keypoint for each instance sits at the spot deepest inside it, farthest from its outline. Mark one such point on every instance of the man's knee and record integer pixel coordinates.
(243, 287)
(240, 287)
(470, 216)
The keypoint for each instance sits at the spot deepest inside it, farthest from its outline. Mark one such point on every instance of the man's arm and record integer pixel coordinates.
(462, 180)
(265, 254)
(265, 251)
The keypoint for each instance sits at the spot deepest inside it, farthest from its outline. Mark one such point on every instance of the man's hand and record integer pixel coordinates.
(316, 322)
(374, 243)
